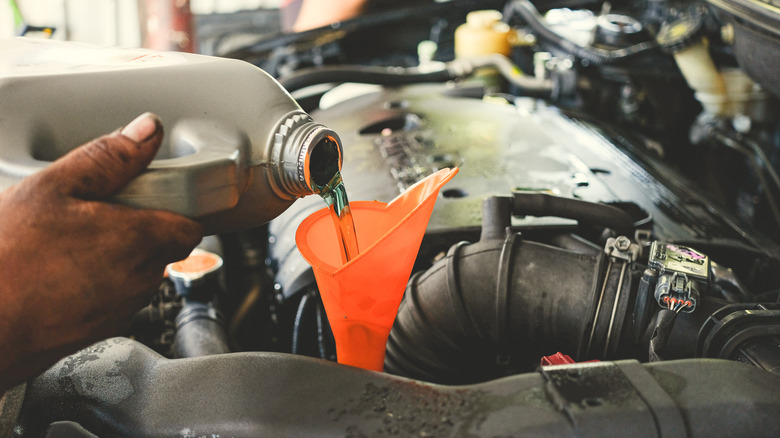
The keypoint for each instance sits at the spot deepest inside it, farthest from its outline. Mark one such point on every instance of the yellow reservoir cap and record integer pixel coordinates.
(483, 34)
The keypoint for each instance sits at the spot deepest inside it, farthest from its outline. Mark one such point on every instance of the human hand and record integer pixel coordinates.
(74, 267)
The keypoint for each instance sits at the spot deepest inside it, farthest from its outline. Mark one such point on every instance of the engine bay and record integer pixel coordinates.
(606, 261)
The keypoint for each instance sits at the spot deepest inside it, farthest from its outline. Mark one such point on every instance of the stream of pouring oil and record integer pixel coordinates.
(335, 196)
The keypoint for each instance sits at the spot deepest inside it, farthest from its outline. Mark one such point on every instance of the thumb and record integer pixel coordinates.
(105, 165)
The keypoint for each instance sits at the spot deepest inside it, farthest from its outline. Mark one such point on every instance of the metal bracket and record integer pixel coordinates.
(622, 248)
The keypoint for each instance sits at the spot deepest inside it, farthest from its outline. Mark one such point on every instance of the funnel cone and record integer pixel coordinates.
(361, 297)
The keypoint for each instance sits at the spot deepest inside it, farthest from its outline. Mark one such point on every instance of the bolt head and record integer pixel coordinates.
(622, 243)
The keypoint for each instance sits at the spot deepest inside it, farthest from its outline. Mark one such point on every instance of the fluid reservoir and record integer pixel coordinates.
(238, 150)
(690, 49)
(483, 34)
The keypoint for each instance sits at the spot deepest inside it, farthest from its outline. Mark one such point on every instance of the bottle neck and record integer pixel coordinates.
(309, 154)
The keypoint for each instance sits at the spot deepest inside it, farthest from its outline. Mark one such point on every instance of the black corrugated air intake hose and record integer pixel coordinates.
(200, 331)
(528, 13)
(496, 306)
(393, 76)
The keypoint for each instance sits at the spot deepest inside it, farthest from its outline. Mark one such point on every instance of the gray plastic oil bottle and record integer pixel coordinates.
(238, 149)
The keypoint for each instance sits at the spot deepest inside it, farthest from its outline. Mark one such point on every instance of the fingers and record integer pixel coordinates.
(163, 237)
(175, 234)
(146, 239)
(100, 260)
(103, 166)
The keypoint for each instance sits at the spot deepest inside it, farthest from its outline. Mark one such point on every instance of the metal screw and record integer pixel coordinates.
(622, 243)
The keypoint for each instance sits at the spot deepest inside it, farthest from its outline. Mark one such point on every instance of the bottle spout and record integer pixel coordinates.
(323, 160)
(361, 297)
(309, 155)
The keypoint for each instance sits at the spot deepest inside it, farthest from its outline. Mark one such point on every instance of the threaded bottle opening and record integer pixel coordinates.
(324, 161)
(311, 157)
(308, 154)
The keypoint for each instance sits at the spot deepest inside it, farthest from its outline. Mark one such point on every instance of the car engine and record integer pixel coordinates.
(606, 262)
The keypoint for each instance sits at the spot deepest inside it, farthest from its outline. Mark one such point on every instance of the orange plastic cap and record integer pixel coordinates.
(197, 265)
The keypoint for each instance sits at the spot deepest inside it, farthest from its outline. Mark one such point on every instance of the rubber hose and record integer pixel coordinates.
(542, 204)
(200, 331)
(528, 85)
(663, 328)
(528, 12)
(120, 388)
(461, 323)
(392, 76)
(361, 74)
(575, 243)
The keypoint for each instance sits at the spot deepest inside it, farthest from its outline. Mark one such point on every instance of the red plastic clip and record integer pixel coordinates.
(560, 359)
(557, 359)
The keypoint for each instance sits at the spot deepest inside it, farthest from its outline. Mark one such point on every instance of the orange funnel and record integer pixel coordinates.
(362, 296)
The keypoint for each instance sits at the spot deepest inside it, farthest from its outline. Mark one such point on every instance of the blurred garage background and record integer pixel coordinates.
(162, 24)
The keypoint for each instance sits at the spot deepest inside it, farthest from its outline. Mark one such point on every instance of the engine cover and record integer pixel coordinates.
(393, 137)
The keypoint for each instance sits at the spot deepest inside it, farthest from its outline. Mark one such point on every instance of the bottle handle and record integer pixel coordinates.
(201, 170)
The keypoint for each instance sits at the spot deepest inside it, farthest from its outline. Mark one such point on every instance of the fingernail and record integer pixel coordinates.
(142, 128)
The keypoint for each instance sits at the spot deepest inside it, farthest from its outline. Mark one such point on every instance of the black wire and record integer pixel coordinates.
(769, 296)
(299, 316)
(644, 221)
(320, 333)
(436, 31)
(758, 162)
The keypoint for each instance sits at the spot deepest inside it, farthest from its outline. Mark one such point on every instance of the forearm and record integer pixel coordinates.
(316, 13)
